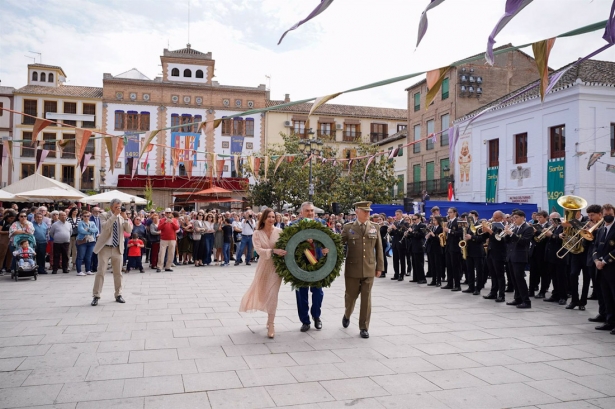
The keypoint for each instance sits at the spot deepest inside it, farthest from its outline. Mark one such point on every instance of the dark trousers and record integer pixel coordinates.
(41, 251)
(496, 269)
(399, 258)
(94, 262)
(474, 264)
(418, 265)
(559, 273)
(135, 262)
(60, 253)
(607, 282)
(578, 265)
(596, 279)
(408, 257)
(386, 263)
(303, 303)
(436, 265)
(545, 277)
(509, 280)
(536, 266)
(453, 268)
(198, 249)
(518, 275)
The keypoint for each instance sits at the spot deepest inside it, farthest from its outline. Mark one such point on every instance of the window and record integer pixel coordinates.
(87, 178)
(325, 131)
(400, 185)
(89, 109)
(174, 122)
(186, 119)
(444, 168)
(444, 125)
(187, 73)
(401, 127)
(26, 148)
(417, 101)
(70, 108)
(400, 152)
(119, 120)
(68, 175)
(27, 169)
(50, 78)
(521, 148)
(378, 132)
(34, 76)
(144, 121)
(444, 89)
(227, 125)
(49, 106)
(69, 149)
(299, 129)
(49, 143)
(132, 121)
(416, 148)
(199, 73)
(43, 78)
(349, 153)
(175, 72)
(238, 126)
(558, 141)
(351, 132)
(249, 124)
(494, 153)
(30, 108)
(612, 139)
(416, 173)
(49, 171)
(430, 130)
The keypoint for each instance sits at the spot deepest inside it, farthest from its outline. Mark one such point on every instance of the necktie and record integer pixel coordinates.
(362, 228)
(116, 235)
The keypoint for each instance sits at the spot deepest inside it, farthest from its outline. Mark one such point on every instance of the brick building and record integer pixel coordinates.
(6, 128)
(465, 89)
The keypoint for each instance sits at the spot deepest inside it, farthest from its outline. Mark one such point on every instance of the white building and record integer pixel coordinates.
(525, 140)
(6, 128)
(396, 141)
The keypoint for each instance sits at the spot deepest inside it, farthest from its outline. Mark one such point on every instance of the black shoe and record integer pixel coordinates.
(456, 289)
(401, 278)
(305, 327)
(408, 273)
(514, 302)
(597, 318)
(524, 305)
(468, 290)
(119, 299)
(65, 272)
(248, 264)
(95, 301)
(383, 275)
(594, 297)
(422, 282)
(581, 308)
(438, 284)
(432, 284)
(500, 299)
(345, 322)
(476, 292)
(141, 271)
(158, 270)
(562, 302)
(551, 299)
(540, 295)
(571, 306)
(446, 287)
(364, 333)
(612, 332)
(317, 323)
(233, 258)
(490, 296)
(236, 264)
(43, 272)
(54, 272)
(394, 278)
(509, 290)
(605, 327)
(168, 269)
(412, 281)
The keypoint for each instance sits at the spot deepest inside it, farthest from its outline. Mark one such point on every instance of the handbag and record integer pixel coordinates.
(80, 242)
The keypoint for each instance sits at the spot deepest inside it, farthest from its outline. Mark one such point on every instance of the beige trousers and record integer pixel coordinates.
(116, 257)
(168, 247)
(72, 250)
(354, 287)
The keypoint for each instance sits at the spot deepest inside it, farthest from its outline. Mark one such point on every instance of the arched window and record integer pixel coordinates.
(199, 73)
(34, 76)
(175, 72)
(42, 77)
(50, 77)
(187, 73)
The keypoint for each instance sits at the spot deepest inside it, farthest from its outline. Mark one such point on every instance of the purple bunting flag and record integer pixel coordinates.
(609, 31)
(511, 9)
(423, 22)
(319, 9)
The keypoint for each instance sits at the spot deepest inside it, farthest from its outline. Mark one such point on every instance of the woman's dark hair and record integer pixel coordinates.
(70, 212)
(10, 213)
(264, 215)
(200, 214)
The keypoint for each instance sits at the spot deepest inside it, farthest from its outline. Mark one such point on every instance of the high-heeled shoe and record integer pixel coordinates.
(270, 330)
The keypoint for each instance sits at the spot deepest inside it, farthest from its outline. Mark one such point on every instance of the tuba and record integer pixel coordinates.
(571, 204)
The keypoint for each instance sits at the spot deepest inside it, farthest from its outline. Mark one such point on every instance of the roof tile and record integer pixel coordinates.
(354, 111)
(62, 90)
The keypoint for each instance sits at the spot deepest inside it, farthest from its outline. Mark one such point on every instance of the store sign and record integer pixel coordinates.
(516, 198)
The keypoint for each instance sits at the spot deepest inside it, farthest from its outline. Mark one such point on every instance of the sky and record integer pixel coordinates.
(354, 42)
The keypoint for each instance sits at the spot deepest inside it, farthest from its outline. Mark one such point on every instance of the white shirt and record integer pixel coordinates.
(247, 227)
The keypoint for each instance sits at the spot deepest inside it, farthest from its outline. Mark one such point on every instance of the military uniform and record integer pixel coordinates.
(363, 258)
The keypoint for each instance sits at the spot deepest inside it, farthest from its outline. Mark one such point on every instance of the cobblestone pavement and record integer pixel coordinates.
(179, 342)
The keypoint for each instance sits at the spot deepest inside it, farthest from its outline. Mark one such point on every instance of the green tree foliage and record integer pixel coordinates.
(332, 183)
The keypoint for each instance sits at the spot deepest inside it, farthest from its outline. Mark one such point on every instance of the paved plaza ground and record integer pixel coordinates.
(179, 342)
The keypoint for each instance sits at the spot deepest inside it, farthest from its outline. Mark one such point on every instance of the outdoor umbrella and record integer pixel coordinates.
(50, 194)
(106, 197)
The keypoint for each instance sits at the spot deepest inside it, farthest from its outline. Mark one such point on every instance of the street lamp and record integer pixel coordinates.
(310, 146)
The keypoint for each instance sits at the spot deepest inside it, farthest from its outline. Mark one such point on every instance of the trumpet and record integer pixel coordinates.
(575, 240)
(501, 234)
(481, 229)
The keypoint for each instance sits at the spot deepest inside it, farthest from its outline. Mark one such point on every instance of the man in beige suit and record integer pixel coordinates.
(364, 261)
(110, 245)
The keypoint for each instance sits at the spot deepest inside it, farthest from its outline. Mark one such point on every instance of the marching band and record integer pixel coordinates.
(556, 249)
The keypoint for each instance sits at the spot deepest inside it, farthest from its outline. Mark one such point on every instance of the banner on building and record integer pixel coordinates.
(185, 142)
(132, 146)
(491, 192)
(236, 149)
(556, 171)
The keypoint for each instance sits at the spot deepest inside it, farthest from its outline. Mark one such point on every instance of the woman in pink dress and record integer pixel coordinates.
(263, 293)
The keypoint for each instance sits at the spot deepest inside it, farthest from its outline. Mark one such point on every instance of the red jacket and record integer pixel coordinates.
(168, 229)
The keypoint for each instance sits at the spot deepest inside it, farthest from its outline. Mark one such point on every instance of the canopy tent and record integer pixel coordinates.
(50, 194)
(4, 195)
(214, 190)
(37, 181)
(106, 197)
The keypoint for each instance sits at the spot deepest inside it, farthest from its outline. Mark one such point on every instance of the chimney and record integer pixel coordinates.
(286, 97)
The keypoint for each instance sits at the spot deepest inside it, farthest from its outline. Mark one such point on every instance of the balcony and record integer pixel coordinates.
(301, 135)
(377, 137)
(87, 184)
(434, 187)
(326, 135)
(352, 136)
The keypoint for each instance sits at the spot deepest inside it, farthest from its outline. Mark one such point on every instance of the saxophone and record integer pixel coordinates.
(464, 245)
(442, 236)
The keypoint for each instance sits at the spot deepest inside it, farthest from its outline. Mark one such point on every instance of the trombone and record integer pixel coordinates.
(575, 240)
(542, 235)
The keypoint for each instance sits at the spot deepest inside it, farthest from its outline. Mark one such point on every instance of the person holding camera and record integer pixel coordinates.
(247, 229)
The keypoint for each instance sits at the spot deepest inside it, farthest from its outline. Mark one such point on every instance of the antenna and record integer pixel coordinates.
(33, 58)
(40, 56)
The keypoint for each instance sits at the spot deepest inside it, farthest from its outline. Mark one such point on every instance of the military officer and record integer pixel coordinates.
(364, 261)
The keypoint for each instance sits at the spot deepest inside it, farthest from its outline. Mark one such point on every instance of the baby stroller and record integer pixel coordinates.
(27, 269)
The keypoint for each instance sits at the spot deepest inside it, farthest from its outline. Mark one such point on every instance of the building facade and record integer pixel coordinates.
(6, 130)
(184, 94)
(526, 151)
(47, 97)
(400, 164)
(464, 89)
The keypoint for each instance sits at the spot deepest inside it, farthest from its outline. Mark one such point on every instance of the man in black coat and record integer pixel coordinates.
(594, 212)
(578, 265)
(496, 257)
(476, 253)
(416, 238)
(538, 265)
(604, 260)
(556, 267)
(518, 237)
(453, 252)
(435, 255)
(398, 242)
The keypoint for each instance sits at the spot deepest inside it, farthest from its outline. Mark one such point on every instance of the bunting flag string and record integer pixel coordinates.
(512, 8)
(423, 21)
(319, 9)
(39, 125)
(85, 159)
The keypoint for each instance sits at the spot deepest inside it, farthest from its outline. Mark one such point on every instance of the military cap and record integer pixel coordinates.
(363, 206)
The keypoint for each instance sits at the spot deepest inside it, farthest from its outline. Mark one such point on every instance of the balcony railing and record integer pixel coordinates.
(433, 187)
(326, 135)
(87, 184)
(69, 181)
(377, 137)
(351, 136)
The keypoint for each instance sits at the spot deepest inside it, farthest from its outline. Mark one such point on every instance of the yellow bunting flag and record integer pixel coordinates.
(434, 82)
(542, 49)
(320, 101)
(266, 166)
(147, 139)
(277, 164)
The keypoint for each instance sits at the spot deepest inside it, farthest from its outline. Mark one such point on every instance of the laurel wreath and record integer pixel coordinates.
(301, 261)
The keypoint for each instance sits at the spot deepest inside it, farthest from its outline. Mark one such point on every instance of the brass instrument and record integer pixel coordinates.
(442, 236)
(481, 229)
(463, 244)
(473, 227)
(501, 234)
(571, 204)
(543, 234)
(576, 240)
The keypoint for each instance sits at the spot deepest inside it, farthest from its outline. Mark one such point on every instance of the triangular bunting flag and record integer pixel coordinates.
(119, 147)
(257, 165)
(322, 100)
(41, 155)
(85, 159)
(235, 158)
(39, 125)
(110, 151)
(147, 139)
(369, 162)
(220, 167)
(135, 165)
(266, 166)
(82, 136)
(189, 164)
(542, 49)
(277, 163)
(8, 148)
(434, 82)
(251, 163)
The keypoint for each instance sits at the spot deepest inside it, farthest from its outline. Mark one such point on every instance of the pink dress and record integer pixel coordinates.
(263, 293)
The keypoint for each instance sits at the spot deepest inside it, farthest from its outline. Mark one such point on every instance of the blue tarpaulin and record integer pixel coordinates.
(485, 210)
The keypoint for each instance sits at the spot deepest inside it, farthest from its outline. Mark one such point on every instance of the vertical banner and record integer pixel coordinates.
(556, 171)
(236, 149)
(186, 143)
(491, 192)
(132, 146)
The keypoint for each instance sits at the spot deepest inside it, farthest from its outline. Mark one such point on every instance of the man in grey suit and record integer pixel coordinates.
(110, 245)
